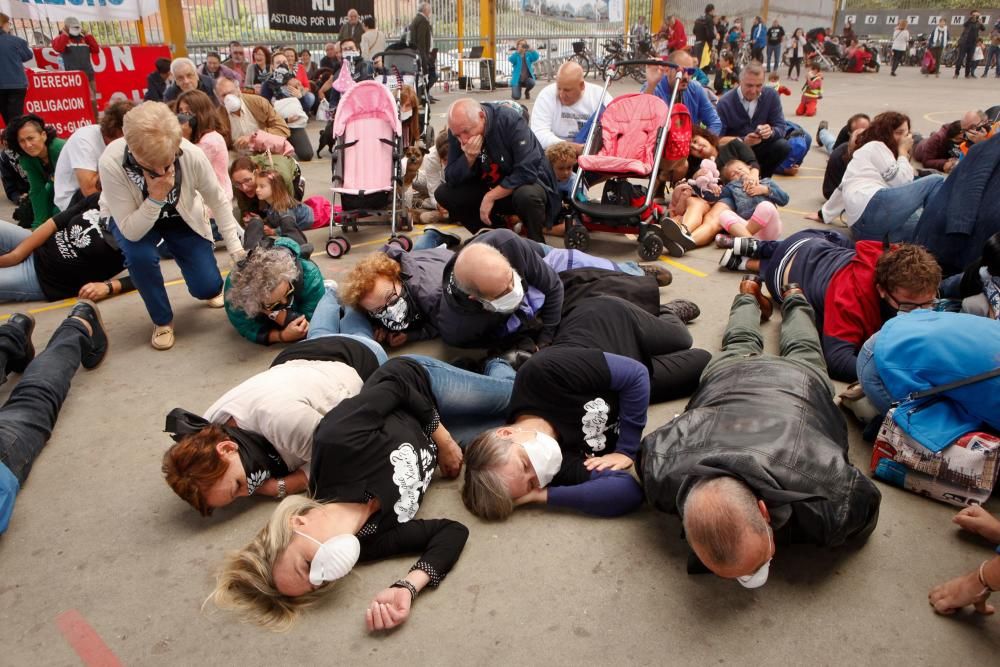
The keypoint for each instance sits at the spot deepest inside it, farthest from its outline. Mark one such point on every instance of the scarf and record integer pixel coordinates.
(259, 457)
(991, 288)
(138, 177)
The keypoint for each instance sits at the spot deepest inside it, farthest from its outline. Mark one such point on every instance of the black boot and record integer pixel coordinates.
(87, 310)
(23, 326)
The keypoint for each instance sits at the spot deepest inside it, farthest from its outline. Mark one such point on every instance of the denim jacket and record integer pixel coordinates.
(743, 204)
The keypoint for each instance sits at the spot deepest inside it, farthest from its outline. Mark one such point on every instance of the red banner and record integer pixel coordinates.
(117, 69)
(62, 99)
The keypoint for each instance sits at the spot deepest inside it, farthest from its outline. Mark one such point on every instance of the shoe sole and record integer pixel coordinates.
(672, 232)
(672, 249)
(107, 338)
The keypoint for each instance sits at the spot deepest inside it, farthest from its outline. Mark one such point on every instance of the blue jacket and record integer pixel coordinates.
(515, 59)
(924, 349)
(758, 35)
(743, 204)
(14, 52)
(736, 122)
(966, 211)
(697, 103)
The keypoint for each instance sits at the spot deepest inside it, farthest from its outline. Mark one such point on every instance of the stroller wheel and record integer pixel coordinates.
(337, 247)
(650, 247)
(403, 241)
(577, 238)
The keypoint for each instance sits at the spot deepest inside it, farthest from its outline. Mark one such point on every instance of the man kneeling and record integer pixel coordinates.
(760, 454)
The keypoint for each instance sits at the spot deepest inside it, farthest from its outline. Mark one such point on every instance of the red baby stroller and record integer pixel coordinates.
(626, 142)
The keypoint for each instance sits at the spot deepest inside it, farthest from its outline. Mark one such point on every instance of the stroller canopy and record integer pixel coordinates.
(629, 130)
(367, 99)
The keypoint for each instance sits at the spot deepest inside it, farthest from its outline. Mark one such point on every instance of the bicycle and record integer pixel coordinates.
(581, 56)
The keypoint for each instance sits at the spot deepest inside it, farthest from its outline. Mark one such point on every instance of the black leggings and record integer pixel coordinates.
(12, 104)
(897, 59)
(796, 63)
(528, 202)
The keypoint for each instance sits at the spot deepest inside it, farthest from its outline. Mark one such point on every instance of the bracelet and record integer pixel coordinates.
(111, 289)
(982, 579)
(282, 490)
(403, 583)
(159, 203)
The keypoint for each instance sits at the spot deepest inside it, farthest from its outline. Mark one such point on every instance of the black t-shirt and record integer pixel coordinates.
(836, 167)
(571, 389)
(775, 35)
(80, 251)
(355, 354)
(843, 136)
(377, 445)
(609, 324)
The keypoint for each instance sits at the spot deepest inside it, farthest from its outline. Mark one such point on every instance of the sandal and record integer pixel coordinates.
(163, 337)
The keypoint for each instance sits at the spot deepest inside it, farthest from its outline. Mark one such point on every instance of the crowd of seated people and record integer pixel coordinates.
(576, 347)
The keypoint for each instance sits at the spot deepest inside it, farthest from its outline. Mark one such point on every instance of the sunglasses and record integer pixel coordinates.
(687, 70)
(282, 301)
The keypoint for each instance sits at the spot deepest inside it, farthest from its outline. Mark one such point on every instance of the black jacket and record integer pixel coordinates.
(508, 142)
(206, 84)
(704, 29)
(970, 32)
(422, 275)
(420, 37)
(155, 88)
(772, 424)
(465, 323)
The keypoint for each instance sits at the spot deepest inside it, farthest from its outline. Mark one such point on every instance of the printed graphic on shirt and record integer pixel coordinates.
(490, 169)
(595, 423)
(255, 479)
(412, 477)
(572, 119)
(79, 235)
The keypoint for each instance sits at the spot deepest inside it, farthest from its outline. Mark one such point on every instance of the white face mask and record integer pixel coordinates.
(232, 102)
(349, 54)
(509, 302)
(75, 31)
(545, 456)
(758, 578)
(406, 115)
(334, 559)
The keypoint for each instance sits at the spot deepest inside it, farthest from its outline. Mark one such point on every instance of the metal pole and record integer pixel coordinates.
(764, 9)
(625, 22)
(142, 32)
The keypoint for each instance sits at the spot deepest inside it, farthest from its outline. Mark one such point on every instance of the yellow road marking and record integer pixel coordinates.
(798, 178)
(683, 267)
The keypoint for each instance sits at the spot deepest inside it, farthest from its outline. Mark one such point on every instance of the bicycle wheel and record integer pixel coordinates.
(582, 61)
(638, 74)
(949, 58)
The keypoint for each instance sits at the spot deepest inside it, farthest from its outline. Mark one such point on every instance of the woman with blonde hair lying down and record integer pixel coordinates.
(373, 458)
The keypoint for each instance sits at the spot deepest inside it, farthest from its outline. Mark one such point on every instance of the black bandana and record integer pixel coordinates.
(259, 457)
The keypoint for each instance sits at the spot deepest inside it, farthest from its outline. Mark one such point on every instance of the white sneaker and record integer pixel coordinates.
(217, 301)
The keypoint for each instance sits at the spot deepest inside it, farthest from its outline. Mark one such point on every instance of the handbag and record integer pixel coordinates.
(962, 474)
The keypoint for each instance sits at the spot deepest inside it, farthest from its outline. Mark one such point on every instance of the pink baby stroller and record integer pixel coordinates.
(626, 143)
(367, 164)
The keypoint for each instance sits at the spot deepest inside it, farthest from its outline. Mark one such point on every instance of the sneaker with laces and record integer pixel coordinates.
(746, 246)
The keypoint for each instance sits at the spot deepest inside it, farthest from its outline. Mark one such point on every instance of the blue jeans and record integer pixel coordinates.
(827, 139)
(894, 212)
(431, 238)
(194, 255)
(469, 403)
(332, 319)
(515, 91)
(773, 50)
(992, 55)
(308, 102)
(870, 380)
(18, 282)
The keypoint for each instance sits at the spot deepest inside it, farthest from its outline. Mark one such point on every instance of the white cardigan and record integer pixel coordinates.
(135, 216)
(872, 168)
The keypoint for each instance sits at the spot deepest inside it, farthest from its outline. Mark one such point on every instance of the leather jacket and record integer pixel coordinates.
(771, 423)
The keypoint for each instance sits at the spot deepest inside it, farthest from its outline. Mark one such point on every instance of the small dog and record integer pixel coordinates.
(414, 156)
(325, 139)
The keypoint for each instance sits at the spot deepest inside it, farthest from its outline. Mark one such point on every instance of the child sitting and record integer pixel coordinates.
(753, 210)
(563, 158)
(280, 213)
(774, 82)
(420, 195)
(812, 91)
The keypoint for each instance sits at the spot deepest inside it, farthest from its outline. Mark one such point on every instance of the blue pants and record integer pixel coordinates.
(827, 139)
(332, 319)
(469, 403)
(992, 55)
(18, 282)
(773, 51)
(29, 415)
(194, 255)
(431, 238)
(515, 90)
(894, 212)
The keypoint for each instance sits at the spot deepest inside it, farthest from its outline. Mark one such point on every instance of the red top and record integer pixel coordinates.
(678, 38)
(62, 40)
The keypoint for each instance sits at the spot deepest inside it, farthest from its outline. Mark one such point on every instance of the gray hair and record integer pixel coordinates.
(484, 492)
(753, 68)
(718, 512)
(471, 259)
(425, 7)
(251, 285)
(178, 63)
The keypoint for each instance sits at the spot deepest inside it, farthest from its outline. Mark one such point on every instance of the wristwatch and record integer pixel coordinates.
(282, 491)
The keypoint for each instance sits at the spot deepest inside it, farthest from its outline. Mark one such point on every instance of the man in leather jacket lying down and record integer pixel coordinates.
(760, 454)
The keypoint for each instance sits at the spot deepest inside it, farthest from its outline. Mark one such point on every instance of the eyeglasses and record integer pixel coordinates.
(906, 306)
(282, 301)
(152, 172)
(390, 301)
